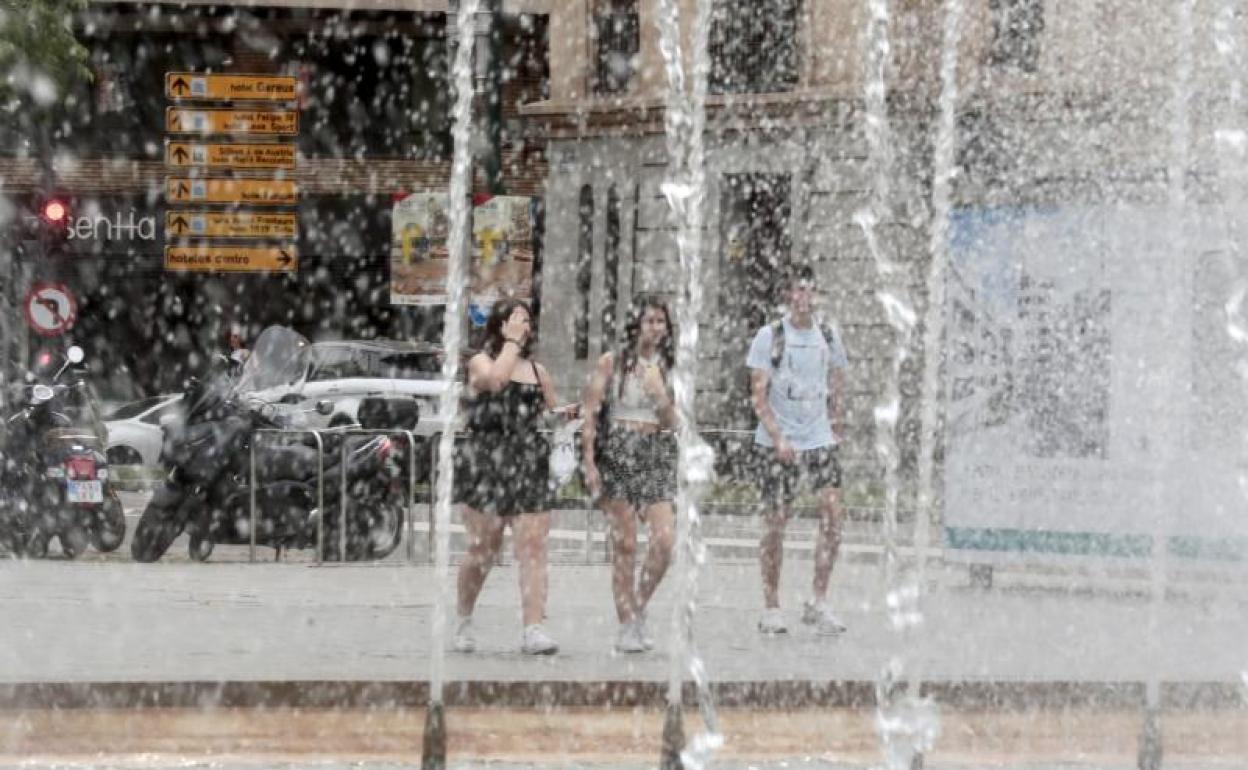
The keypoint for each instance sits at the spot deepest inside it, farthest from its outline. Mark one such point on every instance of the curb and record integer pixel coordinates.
(967, 696)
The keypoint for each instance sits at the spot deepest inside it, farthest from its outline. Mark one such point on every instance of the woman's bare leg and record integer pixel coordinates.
(662, 520)
(623, 522)
(530, 532)
(485, 537)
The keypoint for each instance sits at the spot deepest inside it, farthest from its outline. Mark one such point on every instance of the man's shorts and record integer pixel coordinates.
(811, 470)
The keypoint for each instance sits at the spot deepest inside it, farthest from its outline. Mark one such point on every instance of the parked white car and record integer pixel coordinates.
(134, 434)
(338, 375)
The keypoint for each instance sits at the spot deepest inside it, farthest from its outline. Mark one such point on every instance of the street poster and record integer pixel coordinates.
(502, 250)
(1093, 393)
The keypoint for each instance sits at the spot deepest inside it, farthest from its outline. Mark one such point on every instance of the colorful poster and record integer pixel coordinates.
(502, 253)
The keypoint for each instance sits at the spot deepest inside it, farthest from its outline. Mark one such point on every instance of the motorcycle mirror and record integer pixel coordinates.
(75, 354)
(325, 407)
(41, 394)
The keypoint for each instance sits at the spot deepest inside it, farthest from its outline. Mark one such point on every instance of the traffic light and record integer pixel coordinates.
(46, 229)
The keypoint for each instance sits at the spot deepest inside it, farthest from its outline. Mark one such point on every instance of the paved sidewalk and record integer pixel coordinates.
(108, 622)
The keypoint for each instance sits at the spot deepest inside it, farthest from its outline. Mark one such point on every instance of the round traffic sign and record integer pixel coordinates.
(50, 309)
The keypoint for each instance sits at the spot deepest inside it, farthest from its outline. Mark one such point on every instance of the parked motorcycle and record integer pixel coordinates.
(55, 474)
(207, 454)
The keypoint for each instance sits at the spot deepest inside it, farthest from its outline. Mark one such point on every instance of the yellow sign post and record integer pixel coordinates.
(184, 120)
(268, 192)
(259, 88)
(230, 224)
(230, 155)
(232, 259)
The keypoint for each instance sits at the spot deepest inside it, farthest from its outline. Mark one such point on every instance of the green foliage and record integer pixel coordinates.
(37, 45)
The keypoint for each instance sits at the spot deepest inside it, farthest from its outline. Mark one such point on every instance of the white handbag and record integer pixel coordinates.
(563, 454)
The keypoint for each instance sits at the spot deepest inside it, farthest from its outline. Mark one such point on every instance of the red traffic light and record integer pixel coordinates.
(54, 212)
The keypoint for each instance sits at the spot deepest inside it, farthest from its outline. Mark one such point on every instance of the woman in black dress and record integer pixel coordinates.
(502, 471)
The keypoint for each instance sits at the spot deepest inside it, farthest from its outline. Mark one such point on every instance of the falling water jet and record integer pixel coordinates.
(433, 754)
(933, 330)
(685, 190)
(907, 723)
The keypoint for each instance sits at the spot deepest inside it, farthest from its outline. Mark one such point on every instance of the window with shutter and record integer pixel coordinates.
(1017, 26)
(755, 52)
(617, 35)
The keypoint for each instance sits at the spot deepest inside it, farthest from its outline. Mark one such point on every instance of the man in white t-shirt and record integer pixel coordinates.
(797, 380)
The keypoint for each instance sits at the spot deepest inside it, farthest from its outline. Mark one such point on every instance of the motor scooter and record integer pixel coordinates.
(55, 474)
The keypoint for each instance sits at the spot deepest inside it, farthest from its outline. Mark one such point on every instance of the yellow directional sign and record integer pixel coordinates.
(267, 88)
(230, 155)
(268, 192)
(183, 120)
(234, 259)
(230, 224)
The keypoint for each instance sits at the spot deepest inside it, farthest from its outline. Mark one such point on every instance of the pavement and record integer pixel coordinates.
(74, 622)
(294, 664)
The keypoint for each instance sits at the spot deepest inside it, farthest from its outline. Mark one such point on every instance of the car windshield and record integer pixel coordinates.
(336, 362)
(135, 408)
(275, 360)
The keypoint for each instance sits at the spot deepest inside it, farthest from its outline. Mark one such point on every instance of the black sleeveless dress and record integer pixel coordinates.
(503, 465)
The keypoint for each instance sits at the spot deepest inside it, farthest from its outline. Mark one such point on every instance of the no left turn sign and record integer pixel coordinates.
(50, 309)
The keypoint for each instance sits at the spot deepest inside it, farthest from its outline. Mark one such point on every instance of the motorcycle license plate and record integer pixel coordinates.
(85, 492)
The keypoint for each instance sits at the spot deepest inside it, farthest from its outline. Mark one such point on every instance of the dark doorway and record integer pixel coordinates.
(757, 244)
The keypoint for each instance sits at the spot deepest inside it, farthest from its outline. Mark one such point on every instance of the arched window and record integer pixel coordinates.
(584, 273)
(611, 269)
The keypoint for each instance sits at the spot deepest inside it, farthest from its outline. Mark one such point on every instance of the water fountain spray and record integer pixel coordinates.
(685, 191)
(934, 313)
(907, 724)
(433, 755)
(1175, 289)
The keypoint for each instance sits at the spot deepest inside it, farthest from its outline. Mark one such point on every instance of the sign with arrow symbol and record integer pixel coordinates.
(211, 258)
(235, 88)
(244, 156)
(231, 224)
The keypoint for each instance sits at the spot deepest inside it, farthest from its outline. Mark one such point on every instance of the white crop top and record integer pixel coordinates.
(634, 403)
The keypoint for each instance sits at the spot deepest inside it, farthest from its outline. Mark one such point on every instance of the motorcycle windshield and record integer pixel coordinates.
(276, 360)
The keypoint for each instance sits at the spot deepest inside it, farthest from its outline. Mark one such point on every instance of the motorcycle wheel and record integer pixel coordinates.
(158, 527)
(74, 541)
(382, 532)
(200, 548)
(107, 537)
(37, 544)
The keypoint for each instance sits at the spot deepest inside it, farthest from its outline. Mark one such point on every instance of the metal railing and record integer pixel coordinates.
(409, 522)
(409, 529)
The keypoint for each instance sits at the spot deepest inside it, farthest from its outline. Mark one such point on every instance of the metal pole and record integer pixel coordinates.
(251, 530)
(433, 485)
(342, 495)
(410, 525)
(320, 496)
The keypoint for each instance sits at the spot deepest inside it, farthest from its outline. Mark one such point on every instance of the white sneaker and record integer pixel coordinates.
(538, 642)
(629, 638)
(464, 640)
(823, 618)
(643, 632)
(772, 621)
